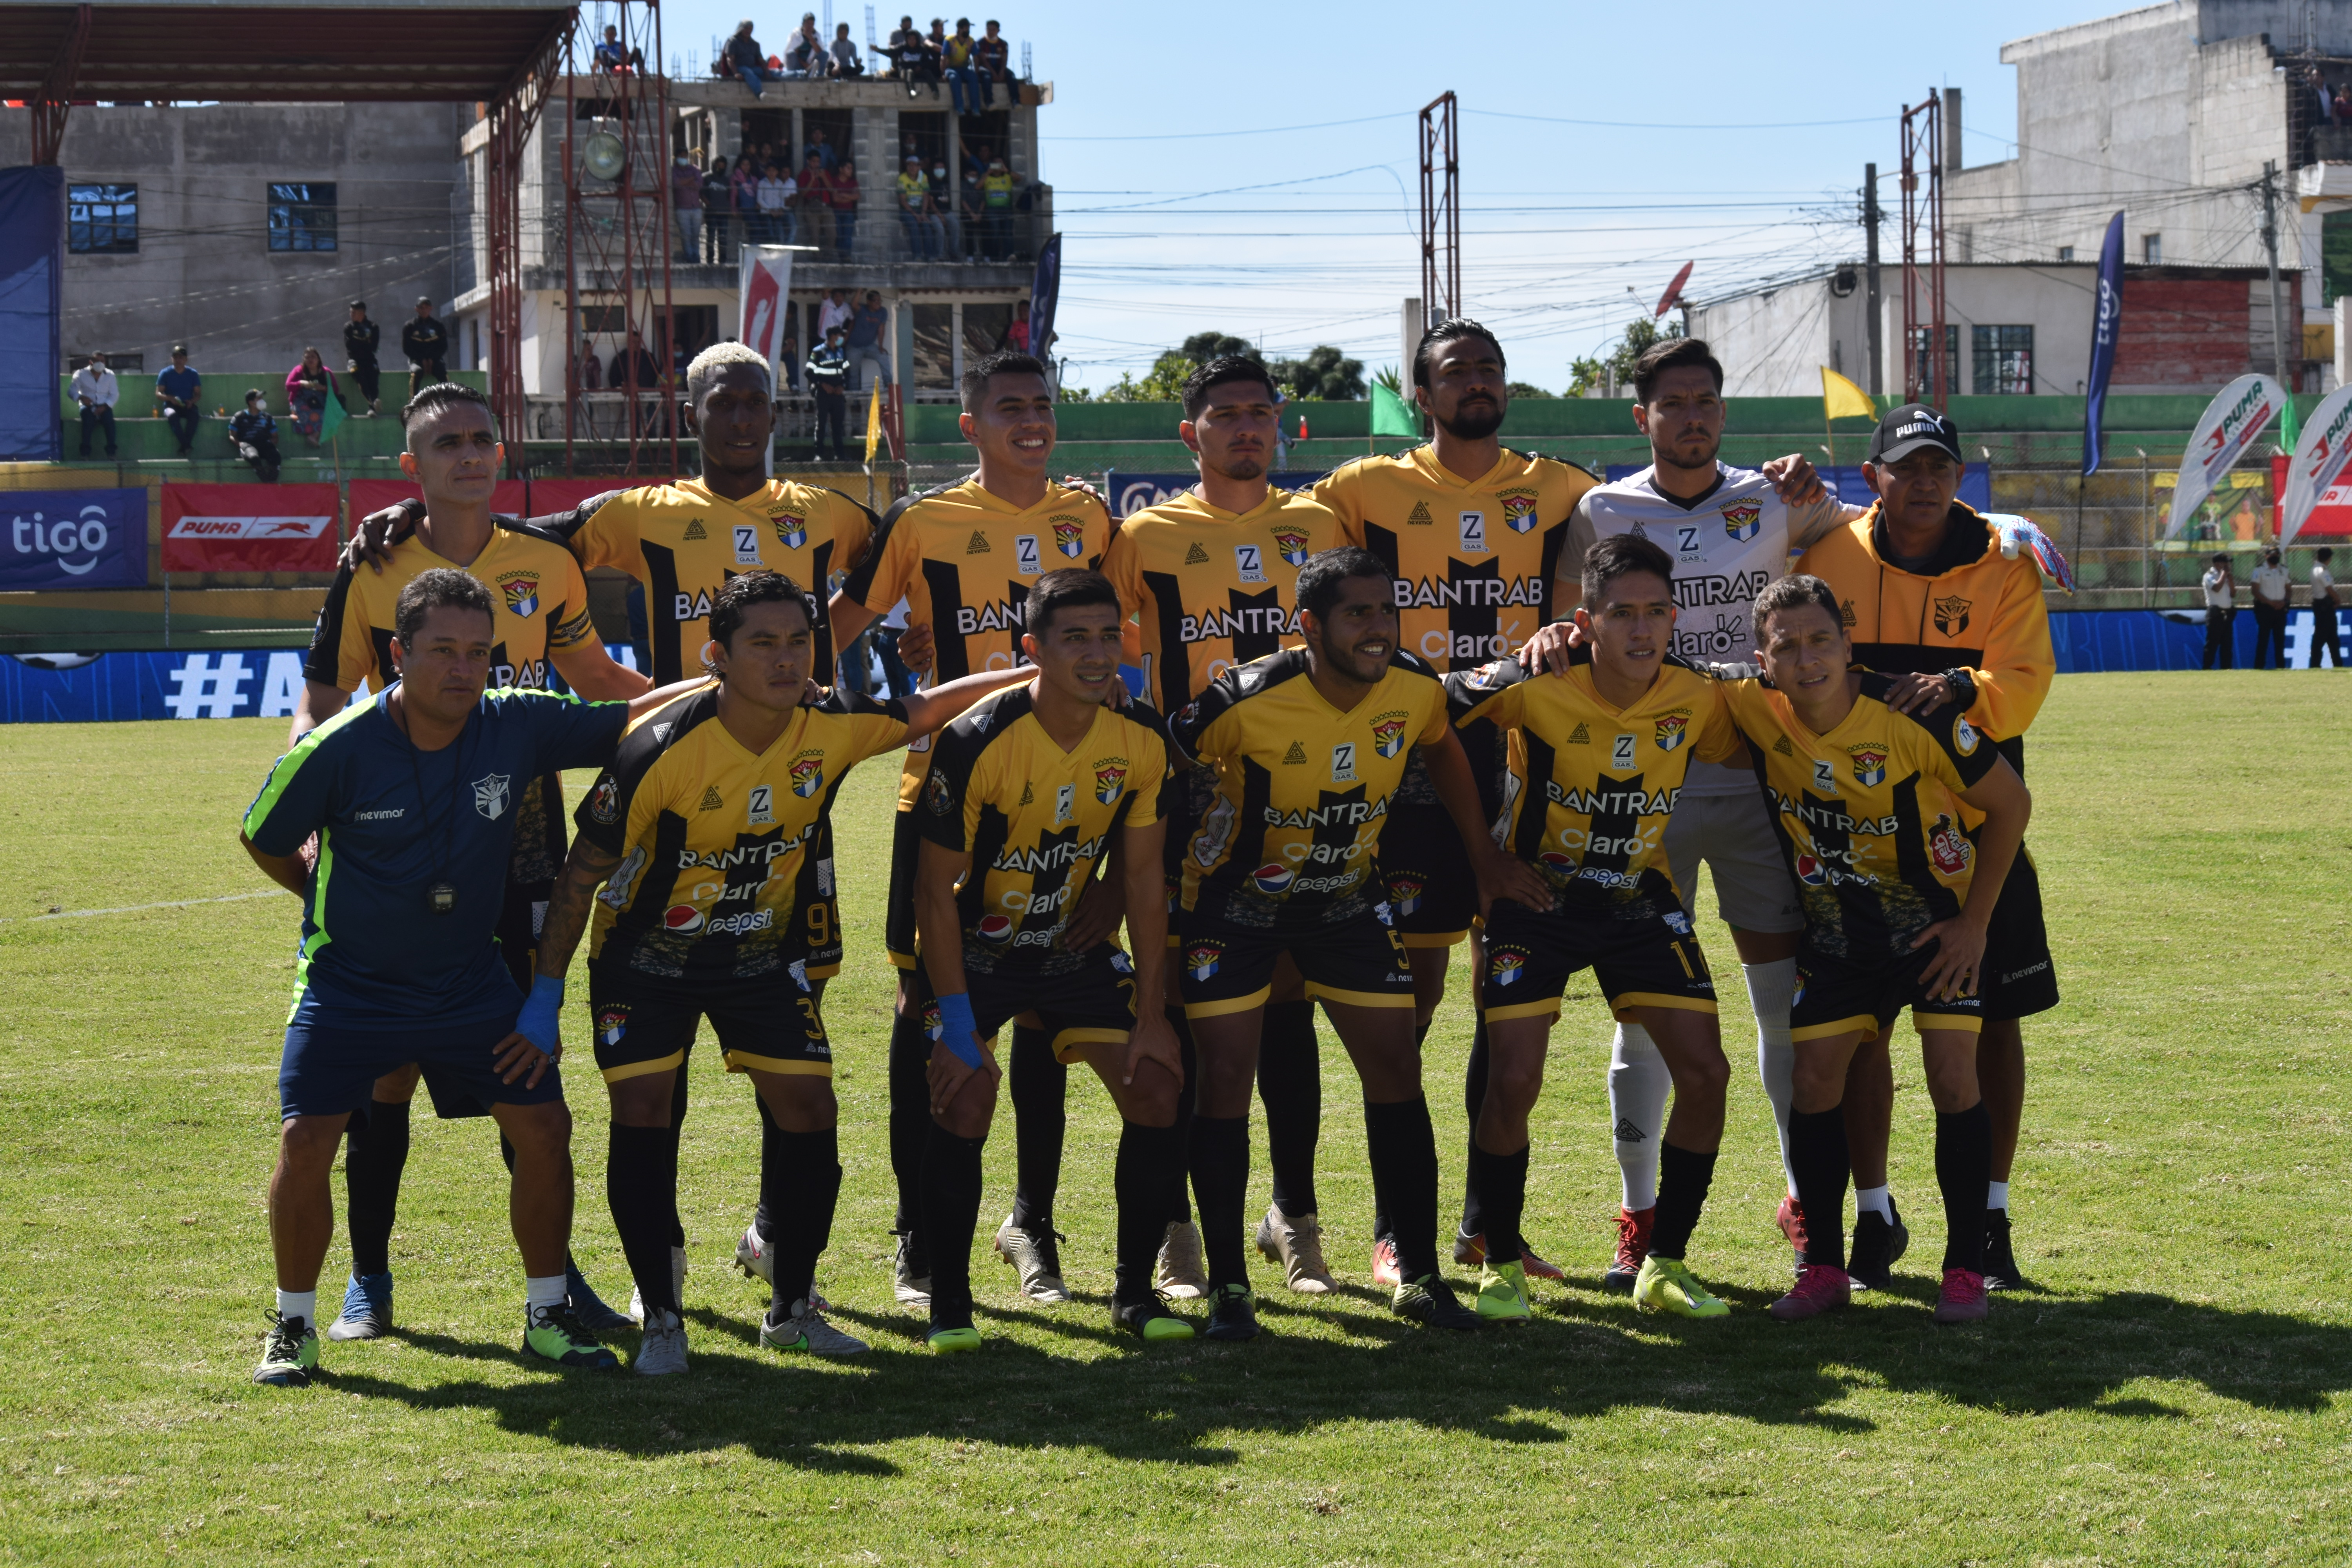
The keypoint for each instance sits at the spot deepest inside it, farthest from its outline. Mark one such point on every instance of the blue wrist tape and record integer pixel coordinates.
(956, 1029)
(543, 1011)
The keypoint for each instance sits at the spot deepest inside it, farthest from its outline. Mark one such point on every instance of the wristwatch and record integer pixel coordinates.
(1964, 687)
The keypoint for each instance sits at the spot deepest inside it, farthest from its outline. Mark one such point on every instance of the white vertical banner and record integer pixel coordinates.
(2239, 412)
(766, 290)
(2318, 458)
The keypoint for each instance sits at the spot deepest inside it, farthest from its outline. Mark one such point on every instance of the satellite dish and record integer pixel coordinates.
(603, 156)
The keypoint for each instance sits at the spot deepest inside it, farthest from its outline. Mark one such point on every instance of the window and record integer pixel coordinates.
(102, 220)
(2152, 249)
(984, 327)
(301, 217)
(2335, 256)
(934, 348)
(2004, 360)
(1924, 358)
(2066, 253)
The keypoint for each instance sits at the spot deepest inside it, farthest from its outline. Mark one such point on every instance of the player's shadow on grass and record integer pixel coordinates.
(1584, 1356)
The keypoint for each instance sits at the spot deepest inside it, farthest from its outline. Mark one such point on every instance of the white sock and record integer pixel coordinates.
(1873, 1200)
(1638, 1086)
(1996, 1194)
(545, 1290)
(1771, 991)
(302, 1304)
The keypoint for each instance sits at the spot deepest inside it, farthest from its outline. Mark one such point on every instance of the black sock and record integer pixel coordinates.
(1683, 1178)
(1383, 1229)
(1503, 1179)
(641, 1186)
(373, 1158)
(910, 1115)
(1963, 1166)
(1474, 1100)
(1219, 1156)
(677, 1122)
(1290, 1082)
(1150, 1160)
(1039, 1086)
(950, 1198)
(800, 1178)
(1180, 1202)
(760, 1221)
(1403, 1148)
(1817, 1151)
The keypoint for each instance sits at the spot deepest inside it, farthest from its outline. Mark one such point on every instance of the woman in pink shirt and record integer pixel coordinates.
(307, 388)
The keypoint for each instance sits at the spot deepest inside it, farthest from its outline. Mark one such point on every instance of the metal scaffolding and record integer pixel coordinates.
(1441, 212)
(1928, 366)
(513, 114)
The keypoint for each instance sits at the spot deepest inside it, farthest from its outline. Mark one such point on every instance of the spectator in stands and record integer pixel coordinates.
(993, 61)
(717, 211)
(833, 311)
(917, 215)
(996, 206)
(805, 55)
(828, 378)
(843, 190)
(425, 341)
(685, 206)
(822, 145)
(361, 339)
(776, 193)
(2220, 588)
(634, 368)
(748, 58)
(615, 58)
(789, 354)
(971, 217)
(1016, 335)
(815, 202)
(308, 387)
(255, 434)
(2323, 612)
(743, 184)
(592, 369)
(943, 210)
(956, 64)
(2270, 581)
(911, 57)
(96, 391)
(869, 337)
(848, 59)
(179, 391)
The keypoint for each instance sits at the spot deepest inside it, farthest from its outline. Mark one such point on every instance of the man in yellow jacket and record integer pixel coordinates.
(1927, 595)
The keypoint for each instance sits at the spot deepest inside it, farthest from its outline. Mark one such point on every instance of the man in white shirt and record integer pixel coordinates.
(95, 388)
(833, 311)
(2270, 612)
(2220, 589)
(776, 191)
(2323, 612)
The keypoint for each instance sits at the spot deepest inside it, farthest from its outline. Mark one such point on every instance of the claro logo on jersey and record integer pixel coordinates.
(1518, 510)
(1742, 520)
(521, 592)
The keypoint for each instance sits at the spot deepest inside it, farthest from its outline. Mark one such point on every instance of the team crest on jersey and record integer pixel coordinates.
(490, 794)
(1290, 543)
(1069, 535)
(993, 927)
(1518, 510)
(1678, 922)
(611, 1024)
(1506, 966)
(933, 1030)
(1950, 846)
(1963, 737)
(1200, 960)
(1869, 764)
(1742, 520)
(1404, 894)
(1952, 616)
(808, 773)
(605, 801)
(522, 595)
(1271, 877)
(1110, 777)
(938, 795)
(1388, 733)
(792, 530)
(1673, 729)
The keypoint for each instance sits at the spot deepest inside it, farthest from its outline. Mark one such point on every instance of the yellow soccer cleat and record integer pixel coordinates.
(1503, 1293)
(1667, 1285)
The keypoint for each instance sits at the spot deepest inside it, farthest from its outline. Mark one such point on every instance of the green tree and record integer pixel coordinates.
(1518, 389)
(1164, 381)
(1324, 375)
(1584, 374)
(1393, 380)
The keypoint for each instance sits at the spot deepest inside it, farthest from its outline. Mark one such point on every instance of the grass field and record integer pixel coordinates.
(2176, 1393)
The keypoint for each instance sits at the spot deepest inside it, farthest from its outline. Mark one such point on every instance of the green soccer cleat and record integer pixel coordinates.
(954, 1341)
(1503, 1293)
(1150, 1320)
(555, 1334)
(1667, 1285)
(290, 1352)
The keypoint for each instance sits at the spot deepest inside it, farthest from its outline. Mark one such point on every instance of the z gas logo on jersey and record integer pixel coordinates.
(760, 810)
(1518, 510)
(1869, 762)
(1742, 520)
(1388, 733)
(793, 531)
(808, 773)
(521, 592)
(1291, 544)
(1110, 777)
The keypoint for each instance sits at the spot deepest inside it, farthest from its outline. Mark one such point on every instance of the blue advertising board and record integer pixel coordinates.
(73, 538)
(1131, 492)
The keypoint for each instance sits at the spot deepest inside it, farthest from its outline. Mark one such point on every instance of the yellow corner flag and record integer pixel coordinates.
(1842, 399)
(874, 422)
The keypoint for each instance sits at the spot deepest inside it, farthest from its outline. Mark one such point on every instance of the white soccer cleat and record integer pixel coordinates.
(1036, 1256)
(804, 1329)
(662, 1353)
(1181, 1276)
(752, 1257)
(676, 1286)
(1297, 1245)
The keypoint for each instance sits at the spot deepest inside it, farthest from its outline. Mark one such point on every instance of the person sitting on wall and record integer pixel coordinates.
(308, 387)
(255, 434)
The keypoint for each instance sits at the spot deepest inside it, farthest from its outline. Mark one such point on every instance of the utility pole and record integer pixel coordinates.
(1870, 217)
(2270, 243)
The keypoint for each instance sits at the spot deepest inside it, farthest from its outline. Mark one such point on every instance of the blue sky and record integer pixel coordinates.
(1255, 172)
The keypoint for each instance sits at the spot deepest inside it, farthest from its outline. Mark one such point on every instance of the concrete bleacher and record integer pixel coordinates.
(364, 446)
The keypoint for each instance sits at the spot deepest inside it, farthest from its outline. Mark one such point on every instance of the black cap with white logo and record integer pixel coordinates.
(1914, 427)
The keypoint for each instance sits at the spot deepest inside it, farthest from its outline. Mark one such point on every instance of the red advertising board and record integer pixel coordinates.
(250, 528)
(546, 495)
(2331, 519)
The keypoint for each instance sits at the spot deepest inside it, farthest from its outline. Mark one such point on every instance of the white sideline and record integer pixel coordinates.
(135, 909)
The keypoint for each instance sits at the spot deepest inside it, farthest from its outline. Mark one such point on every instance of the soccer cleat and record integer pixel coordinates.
(1385, 1271)
(290, 1352)
(1233, 1313)
(911, 1276)
(1503, 1293)
(804, 1329)
(752, 1257)
(676, 1286)
(2000, 1269)
(1877, 1246)
(1181, 1274)
(1297, 1245)
(1667, 1285)
(553, 1334)
(1470, 1251)
(954, 1339)
(1821, 1287)
(595, 1314)
(1036, 1256)
(1431, 1303)
(1963, 1299)
(367, 1308)
(1149, 1320)
(663, 1351)
(1633, 1246)
(1790, 1218)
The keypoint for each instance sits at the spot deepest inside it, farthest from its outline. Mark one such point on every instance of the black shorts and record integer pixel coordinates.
(646, 1022)
(1432, 896)
(898, 921)
(1093, 1005)
(1835, 996)
(1653, 962)
(521, 914)
(1195, 789)
(2019, 979)
(1227, 968)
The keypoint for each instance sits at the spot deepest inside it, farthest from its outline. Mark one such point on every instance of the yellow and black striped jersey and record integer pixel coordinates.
(1473, 559)
(1036, 820)
(1867, 814)
(963, 560)
(1590, 785)
(1213, 589)
(682, 543)
(1303, 789)
(723, 860)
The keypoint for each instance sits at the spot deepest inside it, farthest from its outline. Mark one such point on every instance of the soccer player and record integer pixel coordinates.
(1872, 807)
(1211, 577)
(1597, 762)
(1024, 797)
(966, 559)
(412, 798)
(1942, 599)
(539, 608)
(698, 832)
(1310, 746)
